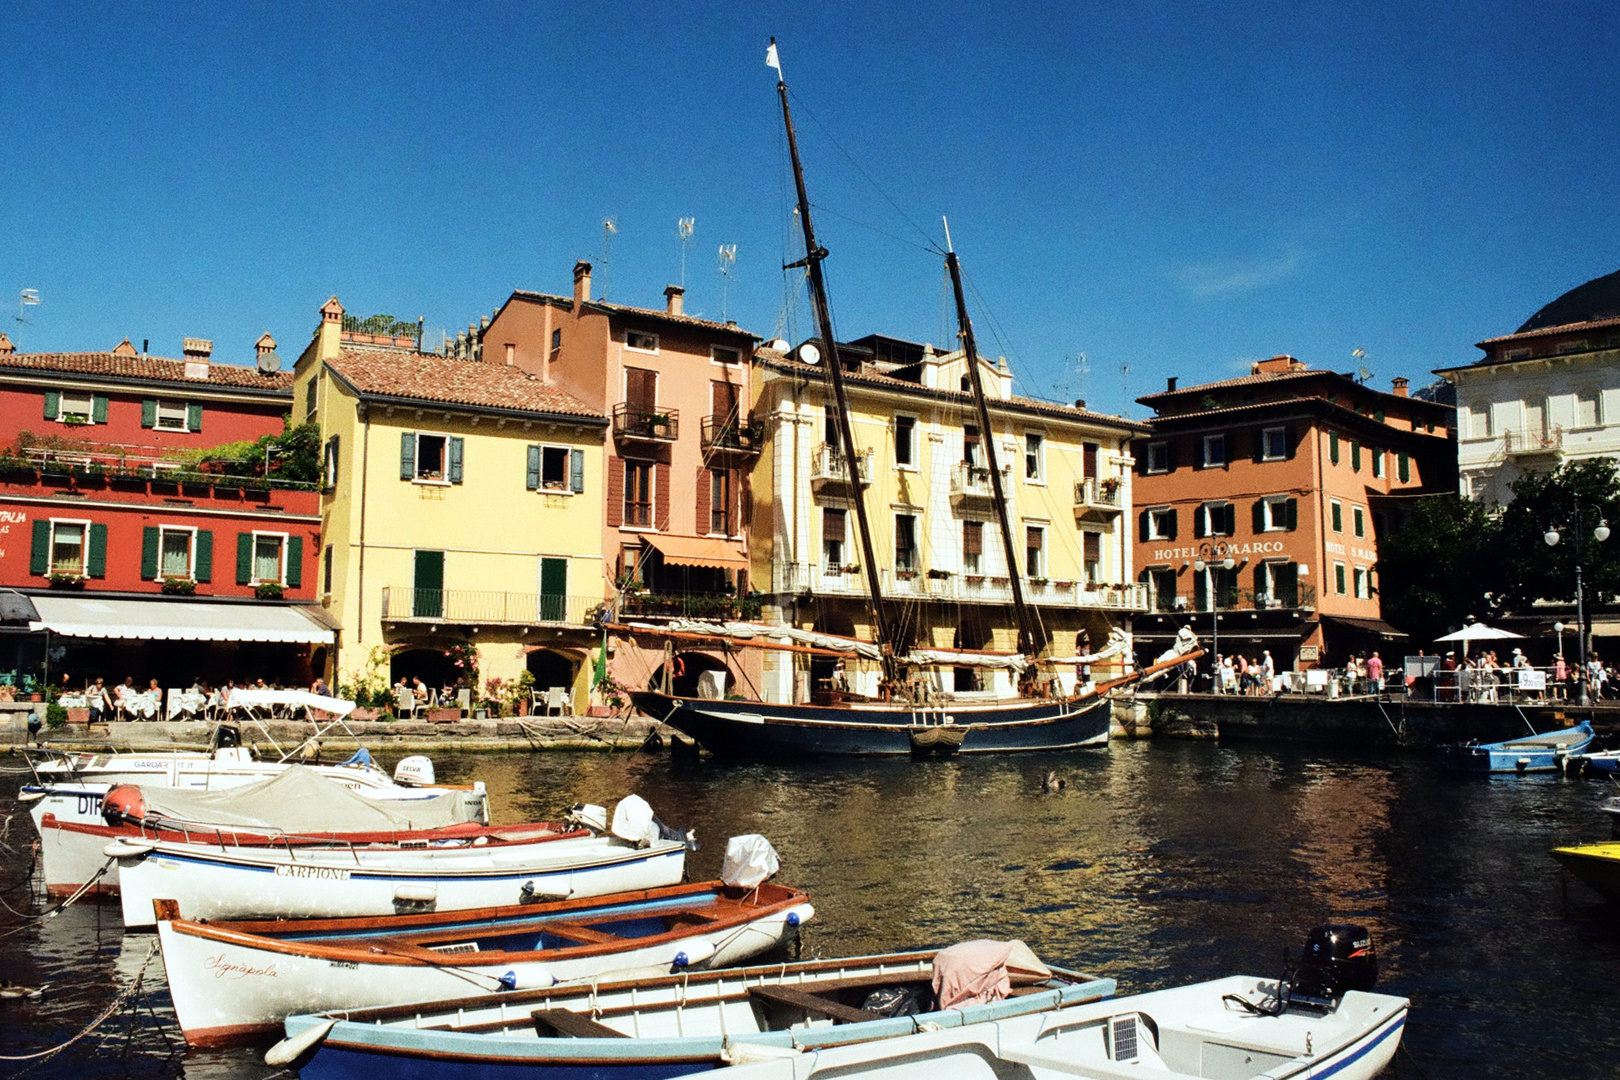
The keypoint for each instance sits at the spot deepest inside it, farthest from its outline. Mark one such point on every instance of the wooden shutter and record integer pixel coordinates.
(149, 553)
(832, 525)
(615, 492)
(98, 408)
(244, 558)
(1093, 546)
(532, 479)
(40, 563)
(1404, 468)
(660, 496)
(1200, 521)
(457, 450)
(1229, 519)
(1170, 516)
(53, 404)
(1088, 461)
(205, 556)
(973, 538)
(640, 388)
(295, 561)
(95, 559)
(723, 398)
(705, 495)
(1333, 447)
(193, 416)
(1259, 445)
(1293, 514)
(1142, 533)
(407, 455)
(1290, 441)
(1259, 522)
(576, 471)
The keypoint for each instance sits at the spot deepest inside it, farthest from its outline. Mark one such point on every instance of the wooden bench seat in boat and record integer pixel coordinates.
(811, 1003)
(571, 1025)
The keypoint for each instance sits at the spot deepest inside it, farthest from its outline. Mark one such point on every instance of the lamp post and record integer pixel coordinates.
(1600, 534)
(1199, 565)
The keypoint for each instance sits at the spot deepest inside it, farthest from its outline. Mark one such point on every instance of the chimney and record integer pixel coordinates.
(1399, 386)
(1170, 385)
(582, 282)
(675, 300)
(511, 354)
(124, 348)
(266, 360)
(6, 347)
(1280, 364)
(197, 348)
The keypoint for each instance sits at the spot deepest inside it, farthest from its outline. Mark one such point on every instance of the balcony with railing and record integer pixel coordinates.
(639, 423)
(482, 607)
(970, 484)
(1533, 441)
(1097, 500)
(951, 587)
(727, 434)
(1300, 597)
(828, 470)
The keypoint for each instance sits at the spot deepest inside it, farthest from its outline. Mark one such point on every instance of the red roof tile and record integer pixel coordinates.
(145, 369)
(641, 313)
(447, 381)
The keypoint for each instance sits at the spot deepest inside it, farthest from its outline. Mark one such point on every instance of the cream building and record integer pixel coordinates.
(461, 514)
(1543, 395)
(942, 560)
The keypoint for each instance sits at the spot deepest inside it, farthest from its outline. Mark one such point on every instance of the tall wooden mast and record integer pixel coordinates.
(1028, 636)
(814, 253)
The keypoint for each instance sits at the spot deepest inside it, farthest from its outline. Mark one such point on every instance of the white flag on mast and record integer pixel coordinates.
(772, 61)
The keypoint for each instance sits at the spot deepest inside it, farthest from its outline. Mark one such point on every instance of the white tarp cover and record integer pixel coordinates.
(925, 657)
(266, 699)
(301, 801)
(1115, 646)
(744, 631)
(975, 972)
(633, 821)
(177, 620)
(750, 860)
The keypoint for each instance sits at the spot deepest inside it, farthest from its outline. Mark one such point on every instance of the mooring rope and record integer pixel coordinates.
(59, 908)
(117, 1003)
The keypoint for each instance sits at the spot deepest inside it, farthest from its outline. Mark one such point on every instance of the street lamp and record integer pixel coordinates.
(1558, 628)
(1600, 534)
(1199, 565)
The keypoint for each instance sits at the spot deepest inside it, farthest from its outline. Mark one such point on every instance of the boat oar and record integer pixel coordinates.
(290, 1049)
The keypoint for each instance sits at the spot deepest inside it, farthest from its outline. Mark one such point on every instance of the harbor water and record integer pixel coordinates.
(1157, 864)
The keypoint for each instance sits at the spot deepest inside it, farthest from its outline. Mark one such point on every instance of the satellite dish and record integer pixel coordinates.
(809, 353)
(781, 346)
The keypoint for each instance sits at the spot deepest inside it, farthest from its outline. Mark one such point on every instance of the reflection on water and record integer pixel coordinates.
(1158, 864)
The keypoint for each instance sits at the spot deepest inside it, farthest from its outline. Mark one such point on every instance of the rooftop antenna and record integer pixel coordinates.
(26, 299)
(1362, 374)
(1125, 386)
(684, 227)
(728, 259)
(610, 226)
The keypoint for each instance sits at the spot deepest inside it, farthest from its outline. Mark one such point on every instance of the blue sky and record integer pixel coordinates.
(1173, 189)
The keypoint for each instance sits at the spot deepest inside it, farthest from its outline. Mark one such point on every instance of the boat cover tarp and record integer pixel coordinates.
(301, 801)
(750, 860)
(980, 971)
(271, 698)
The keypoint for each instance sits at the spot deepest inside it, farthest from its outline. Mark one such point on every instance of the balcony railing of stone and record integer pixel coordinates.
(827, 465)
(639, 422)
(727, 432)
(966, 588)
(1091, 492)
(974, 480)
(486, 607)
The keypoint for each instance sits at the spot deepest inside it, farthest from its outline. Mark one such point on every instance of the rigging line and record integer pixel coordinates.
(821, 209)
(932, 246)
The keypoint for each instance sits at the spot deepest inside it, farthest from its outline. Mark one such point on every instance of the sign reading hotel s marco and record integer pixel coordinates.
(1211, 551)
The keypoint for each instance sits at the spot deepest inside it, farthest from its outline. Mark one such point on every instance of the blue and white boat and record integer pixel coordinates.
(1545, 752)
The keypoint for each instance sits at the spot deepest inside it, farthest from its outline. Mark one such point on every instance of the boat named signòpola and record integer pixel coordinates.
(903, 717)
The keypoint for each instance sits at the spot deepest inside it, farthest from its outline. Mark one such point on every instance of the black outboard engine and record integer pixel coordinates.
(1338, 957)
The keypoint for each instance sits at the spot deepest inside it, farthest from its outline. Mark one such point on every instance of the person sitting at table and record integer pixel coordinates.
(420, 692)
(97, 700)
(320, 688)
(124, 698)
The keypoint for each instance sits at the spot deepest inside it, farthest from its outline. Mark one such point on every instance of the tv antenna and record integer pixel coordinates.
(26, 299)
(728, 259)
(1362, 372)
(684, 227)
(610, 226)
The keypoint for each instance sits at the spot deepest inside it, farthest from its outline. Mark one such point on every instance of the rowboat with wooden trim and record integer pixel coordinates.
(663, 1026)
(234, 980)
(1546, 751)
(1598, 865)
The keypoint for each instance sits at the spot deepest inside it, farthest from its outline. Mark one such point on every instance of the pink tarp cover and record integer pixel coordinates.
(975, 972)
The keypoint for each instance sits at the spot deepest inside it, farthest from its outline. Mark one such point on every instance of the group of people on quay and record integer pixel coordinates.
(127, 701)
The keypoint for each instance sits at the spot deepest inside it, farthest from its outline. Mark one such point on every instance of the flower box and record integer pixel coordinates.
(975, 579)
(1000, 581)
(443, 716)
(66, 581)
(179, 586)
(78, 716)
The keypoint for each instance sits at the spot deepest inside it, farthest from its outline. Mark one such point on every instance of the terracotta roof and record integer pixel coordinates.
(1546, 331)
(640, 313)
(145, 369)
(868, 378)
(443, 380)
(1242, 380)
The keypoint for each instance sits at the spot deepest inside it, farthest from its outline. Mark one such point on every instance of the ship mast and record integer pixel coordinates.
(814, 253)
(1028, 638)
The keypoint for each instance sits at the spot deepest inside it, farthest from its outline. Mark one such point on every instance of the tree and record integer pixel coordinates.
(1571, 499)
(1435, 570)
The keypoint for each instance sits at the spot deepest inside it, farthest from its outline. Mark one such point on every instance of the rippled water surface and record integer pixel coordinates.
(1159, 864)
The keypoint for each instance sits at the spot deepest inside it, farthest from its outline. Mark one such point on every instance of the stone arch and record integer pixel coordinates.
(551, 667)
(432, 666)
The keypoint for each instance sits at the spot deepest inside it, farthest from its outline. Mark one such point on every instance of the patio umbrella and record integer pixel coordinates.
(1476, 631)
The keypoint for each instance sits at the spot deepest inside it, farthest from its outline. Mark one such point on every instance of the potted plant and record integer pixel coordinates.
(1064, 584)
(939, 575)
(852, 568)
(176, 585)
(905, 575)
(975, 579)
(658, 424)
(63, 580)
(1000, 581)
(268, 590)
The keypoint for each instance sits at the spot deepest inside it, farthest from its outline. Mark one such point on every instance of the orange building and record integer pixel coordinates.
(1259, 502)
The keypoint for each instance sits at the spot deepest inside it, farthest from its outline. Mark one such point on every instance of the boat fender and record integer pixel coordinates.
(528, 894)
(416, 894)
(290, 1049)
(538, 979)
(128, 849)
(693, 952)
(800, 914)
(744, 1053)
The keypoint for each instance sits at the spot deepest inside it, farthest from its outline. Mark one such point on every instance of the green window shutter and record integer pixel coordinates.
(532, 480)
(1259, 522)
(1355, 457)
(456, 449)
(193, 416)
(149, 412)
(1403, 466)
(1333, 447)
(1338, 516)
(40, 564)
(1170, 522)
(205, 555)
(149, 553)
(244, 558)
(1142, 527)
(295, 561)
(407, 456)
(95, 563)
(1293, 514)
(53, 404)
(98, 408)
(576, 471)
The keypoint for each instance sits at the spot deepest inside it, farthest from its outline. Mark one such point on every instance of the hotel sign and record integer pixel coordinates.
(1209, 552)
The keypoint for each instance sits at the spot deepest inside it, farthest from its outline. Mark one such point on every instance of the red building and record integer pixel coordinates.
(137, 558)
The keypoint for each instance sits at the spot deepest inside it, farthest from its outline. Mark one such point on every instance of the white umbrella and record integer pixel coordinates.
(1476, 631)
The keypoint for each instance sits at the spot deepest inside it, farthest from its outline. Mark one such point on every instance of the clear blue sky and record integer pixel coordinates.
(1176, 188)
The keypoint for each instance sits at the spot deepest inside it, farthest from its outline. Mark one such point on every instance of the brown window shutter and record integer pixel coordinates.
(615, 492)
(734, 494)
(745, 504)
(973, 538)
(1093, 542)
(704, 500)
(661, 496)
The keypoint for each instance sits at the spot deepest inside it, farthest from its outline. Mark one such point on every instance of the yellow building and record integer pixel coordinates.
(461, 516)
(942, 561)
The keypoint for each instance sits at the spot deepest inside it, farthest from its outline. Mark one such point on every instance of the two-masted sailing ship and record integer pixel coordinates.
(903, 717)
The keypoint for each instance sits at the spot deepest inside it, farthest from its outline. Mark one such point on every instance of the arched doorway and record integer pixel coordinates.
(691, 666)
(432, 666)
(972, 632)
(838, 624)
(551, 669)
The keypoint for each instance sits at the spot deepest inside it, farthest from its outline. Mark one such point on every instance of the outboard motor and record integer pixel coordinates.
(1338, 957)
(123, 804)
(414, 771)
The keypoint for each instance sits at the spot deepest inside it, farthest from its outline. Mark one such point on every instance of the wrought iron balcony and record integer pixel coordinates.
(732, 435)
(1097, 500)
(645, 424)
(828, 469)
(970, 484)
(1533, 442)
